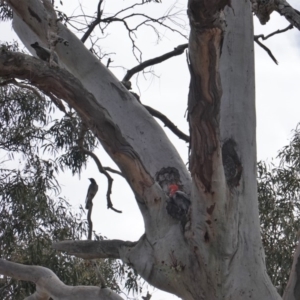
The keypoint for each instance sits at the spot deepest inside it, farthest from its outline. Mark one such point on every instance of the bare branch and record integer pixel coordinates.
(168, 123)
(100, 168)
(97, 21)
(177, 51)
(94, 249)
(266, 49)
(113, 171)
(48, 284)
(274, 33)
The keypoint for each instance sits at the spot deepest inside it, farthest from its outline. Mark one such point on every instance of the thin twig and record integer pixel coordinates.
(266, 49)
(275, 32)
(168, 123)
(99, 165)
(256, 39)
(177, 51)
(113, 171)
(97, 21)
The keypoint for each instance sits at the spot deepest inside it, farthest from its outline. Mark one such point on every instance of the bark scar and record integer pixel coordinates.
(34, 15)
(232, 164)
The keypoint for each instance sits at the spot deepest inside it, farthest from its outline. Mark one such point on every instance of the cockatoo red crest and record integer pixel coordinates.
(173, 188)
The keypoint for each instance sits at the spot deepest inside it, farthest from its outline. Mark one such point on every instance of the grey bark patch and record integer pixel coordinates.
(231, 163)
(297, 285)
(34, 15)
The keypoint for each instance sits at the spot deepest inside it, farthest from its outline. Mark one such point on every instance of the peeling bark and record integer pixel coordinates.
(205, 47)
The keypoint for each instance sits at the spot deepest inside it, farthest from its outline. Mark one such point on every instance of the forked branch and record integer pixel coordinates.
(150, 62)
(101, 169)
(256, 39)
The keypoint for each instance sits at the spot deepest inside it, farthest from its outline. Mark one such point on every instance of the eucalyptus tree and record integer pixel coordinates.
(211, 249)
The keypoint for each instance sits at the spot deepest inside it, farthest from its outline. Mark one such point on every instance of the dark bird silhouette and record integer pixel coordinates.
(92, 191)
(178, 203)
(43, 53)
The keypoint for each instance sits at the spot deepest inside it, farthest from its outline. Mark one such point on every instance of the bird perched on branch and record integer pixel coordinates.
(92, 191)
(179, 202)
(43, 53)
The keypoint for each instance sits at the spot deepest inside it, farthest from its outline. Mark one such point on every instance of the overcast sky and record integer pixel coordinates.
(277, 103)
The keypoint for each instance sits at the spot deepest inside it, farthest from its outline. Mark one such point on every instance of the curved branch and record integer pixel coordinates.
(266, 49)
(48, 284)
(94, 23)
(100, 168)
(256, 39)
(177, 51)
(286, 10)
(168, 123)
(274, 33)
(94, 249)
(113, 171)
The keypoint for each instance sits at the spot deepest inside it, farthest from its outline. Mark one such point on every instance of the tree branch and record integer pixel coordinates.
(292, 291)
(168, 123)
(286, 10)
(110, 180)
(48, 284)
(274, 33)
(113, 171)
(94, 249)
(177, 51)
(266, 49)
(94, 23)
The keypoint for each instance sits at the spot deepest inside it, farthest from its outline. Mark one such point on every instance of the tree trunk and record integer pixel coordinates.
(214, 250)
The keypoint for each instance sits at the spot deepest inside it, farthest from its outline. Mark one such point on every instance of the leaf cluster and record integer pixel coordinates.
(279, 206)
(38, 142)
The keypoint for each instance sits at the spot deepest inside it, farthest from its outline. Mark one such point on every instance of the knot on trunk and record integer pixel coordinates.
(231, 163)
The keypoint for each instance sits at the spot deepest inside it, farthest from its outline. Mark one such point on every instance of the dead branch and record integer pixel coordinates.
(286, 10)
(94, 249)
(266, 49)
(177, 51)
(256, 39)
(168, 123)
(113, 171)
(92, 26)
(274, 33)
(101, 169)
